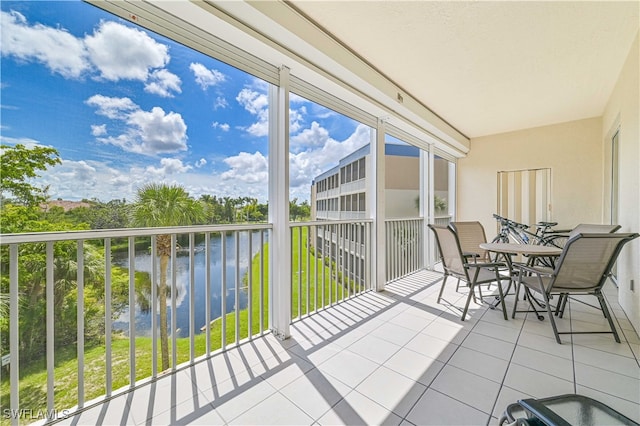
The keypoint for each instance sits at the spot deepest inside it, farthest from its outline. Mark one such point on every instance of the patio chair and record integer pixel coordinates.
(458, 266)
(471, 235)
(582, 269)
(560, 239)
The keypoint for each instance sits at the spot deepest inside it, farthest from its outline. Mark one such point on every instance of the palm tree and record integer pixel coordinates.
(159, 205)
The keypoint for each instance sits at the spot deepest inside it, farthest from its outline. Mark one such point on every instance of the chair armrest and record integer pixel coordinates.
(486, 265)
(535, 270)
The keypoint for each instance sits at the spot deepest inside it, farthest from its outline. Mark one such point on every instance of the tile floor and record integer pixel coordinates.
(394, 357)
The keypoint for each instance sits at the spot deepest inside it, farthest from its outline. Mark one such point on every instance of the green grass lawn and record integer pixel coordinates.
(33, 377)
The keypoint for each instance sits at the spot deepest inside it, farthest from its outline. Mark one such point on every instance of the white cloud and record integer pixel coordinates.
(220, 102)
(222, 126)
(120, 52)
(114, 51)
(247, 168)
(98, 130)
(27, 142)
(257, 104)
(206, 77)
(306, 165)
(313, 137)
(162, 83)
(200, 163)
(113, 108)
(56, 48)
(168, 166)
(253, 101)
(146, 132)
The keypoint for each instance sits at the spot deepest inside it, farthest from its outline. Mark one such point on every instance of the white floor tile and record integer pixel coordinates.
(435, 408)
(348, 367)
(394, 333)
(543, 362)
(483, 365)
(607, 361)
(432, 347)
(488, 345)
(619, 385)
(374, 349)
(315, 392)
(415, 366)
(275, 410)
(474, 390)
(234, 404)
(357, 409)
(536, 383)
(392, 390)
(508, 334)
(165, 393)
(545, 344)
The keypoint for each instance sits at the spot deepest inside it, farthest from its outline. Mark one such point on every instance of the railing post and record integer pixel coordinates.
(280, 241)
(378, 205)
(14, 377)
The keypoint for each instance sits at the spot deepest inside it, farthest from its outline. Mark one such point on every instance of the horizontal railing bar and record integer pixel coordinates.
(328, 222)
(404, 219)
(38, 237)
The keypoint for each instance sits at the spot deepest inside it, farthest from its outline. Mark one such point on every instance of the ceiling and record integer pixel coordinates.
(487, 67)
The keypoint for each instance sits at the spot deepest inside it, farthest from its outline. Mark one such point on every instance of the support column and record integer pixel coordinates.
(377, 190)
(424, 206)
(280, 238)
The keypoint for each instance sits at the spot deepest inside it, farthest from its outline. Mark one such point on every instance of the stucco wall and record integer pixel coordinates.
(573, 152)
(402, 172)
(623, 111)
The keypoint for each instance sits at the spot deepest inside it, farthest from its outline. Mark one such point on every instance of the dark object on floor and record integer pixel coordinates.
(563, 410)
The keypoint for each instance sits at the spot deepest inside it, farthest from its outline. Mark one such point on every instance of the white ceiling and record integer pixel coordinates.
(488, 67)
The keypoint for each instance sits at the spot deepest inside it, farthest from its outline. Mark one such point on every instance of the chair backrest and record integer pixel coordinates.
(447, 240)
(593, 228)
(586, 261)
(470, 236)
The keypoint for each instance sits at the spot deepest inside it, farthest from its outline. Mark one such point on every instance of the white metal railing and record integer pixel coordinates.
(222, 264)
(331, 262)
(405, 248)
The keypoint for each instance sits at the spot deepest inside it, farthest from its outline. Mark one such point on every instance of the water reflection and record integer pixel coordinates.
(143, 266)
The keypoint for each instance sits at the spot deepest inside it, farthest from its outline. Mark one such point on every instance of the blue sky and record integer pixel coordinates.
(124, 106)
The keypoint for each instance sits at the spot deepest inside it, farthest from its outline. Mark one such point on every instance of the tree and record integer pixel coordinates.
(19, 164)
(159, 205)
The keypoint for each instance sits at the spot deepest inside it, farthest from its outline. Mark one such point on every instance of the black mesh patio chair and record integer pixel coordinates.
(582, 269)
(474, 273)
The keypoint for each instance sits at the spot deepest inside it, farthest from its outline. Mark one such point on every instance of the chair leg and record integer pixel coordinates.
(466, 305)
(551, 316)
(500, 292)
(444, 280)
(607, 315)
(515, 301)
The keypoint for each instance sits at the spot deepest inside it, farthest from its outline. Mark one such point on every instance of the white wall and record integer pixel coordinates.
(573, 152)
(623, 110)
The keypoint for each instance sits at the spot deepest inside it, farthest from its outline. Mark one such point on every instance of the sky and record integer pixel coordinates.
(124, 107)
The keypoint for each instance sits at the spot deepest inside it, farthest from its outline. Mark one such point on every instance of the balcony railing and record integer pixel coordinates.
(405, 247)
(216, 281)
(108, 334)
(331, 262)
